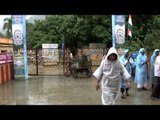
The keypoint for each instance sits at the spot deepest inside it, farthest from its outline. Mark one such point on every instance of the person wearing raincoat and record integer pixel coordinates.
(108, 75)
(153, 57)
(141, 75)
(156, 88)
(134, 57)
(128, 63)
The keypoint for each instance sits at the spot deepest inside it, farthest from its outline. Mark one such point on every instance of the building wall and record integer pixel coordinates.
(7, 48)
(6, 45)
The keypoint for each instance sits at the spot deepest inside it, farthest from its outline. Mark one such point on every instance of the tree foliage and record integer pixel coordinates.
(77, 31)
(8, 26)
(143, 28)
(74, 30)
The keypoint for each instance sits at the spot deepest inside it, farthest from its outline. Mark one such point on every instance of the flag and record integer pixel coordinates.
(130, 26)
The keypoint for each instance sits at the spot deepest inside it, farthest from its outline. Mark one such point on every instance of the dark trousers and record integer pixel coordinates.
(124, 89)
(156, 88)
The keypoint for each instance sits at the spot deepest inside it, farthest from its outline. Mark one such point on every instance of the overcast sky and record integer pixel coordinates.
(5, 16)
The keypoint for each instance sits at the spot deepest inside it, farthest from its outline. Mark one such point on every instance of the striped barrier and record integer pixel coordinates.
(6, 67)
(6, 72)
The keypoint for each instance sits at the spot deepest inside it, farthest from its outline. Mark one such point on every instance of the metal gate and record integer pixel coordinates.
(39, 65)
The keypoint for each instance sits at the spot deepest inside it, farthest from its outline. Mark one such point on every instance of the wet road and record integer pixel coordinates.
(61, 90)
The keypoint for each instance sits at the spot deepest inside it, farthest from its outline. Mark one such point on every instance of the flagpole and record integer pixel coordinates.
(113, 31)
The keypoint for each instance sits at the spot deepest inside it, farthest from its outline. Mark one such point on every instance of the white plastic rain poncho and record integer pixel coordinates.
(127, 65)
(141, 69)
(152, 60)
(109, 73)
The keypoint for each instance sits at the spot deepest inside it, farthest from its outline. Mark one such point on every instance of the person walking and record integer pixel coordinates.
(108, 76)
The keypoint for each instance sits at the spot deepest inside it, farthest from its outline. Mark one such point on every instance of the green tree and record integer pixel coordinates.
(80, 30)
(8, 26)
(142, 25)
(29, 36)
(152, 41)
(74, 30)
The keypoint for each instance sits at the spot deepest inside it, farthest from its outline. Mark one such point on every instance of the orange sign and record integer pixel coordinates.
(5, 41)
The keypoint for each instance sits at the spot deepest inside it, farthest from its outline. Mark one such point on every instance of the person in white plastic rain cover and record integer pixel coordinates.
(109, 74)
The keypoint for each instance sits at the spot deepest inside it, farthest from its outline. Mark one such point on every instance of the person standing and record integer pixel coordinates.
(128, 63)
(141, 75)
(156, 88)
(152, 60)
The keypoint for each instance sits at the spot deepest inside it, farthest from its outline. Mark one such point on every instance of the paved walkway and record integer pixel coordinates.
(61, 90)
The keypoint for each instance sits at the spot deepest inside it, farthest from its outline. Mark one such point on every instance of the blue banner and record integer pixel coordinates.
(120, 29)
(19, 47)
(25, 48)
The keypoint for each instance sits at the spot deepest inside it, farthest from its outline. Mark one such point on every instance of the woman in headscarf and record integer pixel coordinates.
(153, 57)
(141, 70)
(109, 74)
(128, 63)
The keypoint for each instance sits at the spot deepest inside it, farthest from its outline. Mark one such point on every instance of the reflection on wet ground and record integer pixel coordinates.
(61, 90)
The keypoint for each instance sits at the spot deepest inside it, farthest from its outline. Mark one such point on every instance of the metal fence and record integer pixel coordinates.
(39, 65)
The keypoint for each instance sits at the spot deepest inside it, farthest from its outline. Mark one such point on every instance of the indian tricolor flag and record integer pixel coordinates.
(130, 26)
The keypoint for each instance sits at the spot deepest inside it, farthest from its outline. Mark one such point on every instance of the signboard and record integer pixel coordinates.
(6, 58)
(50, 54)
(49, 45)
(9, 57)
(3, 58)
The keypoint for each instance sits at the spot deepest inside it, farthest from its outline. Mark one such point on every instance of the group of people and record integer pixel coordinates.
(115, 74)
